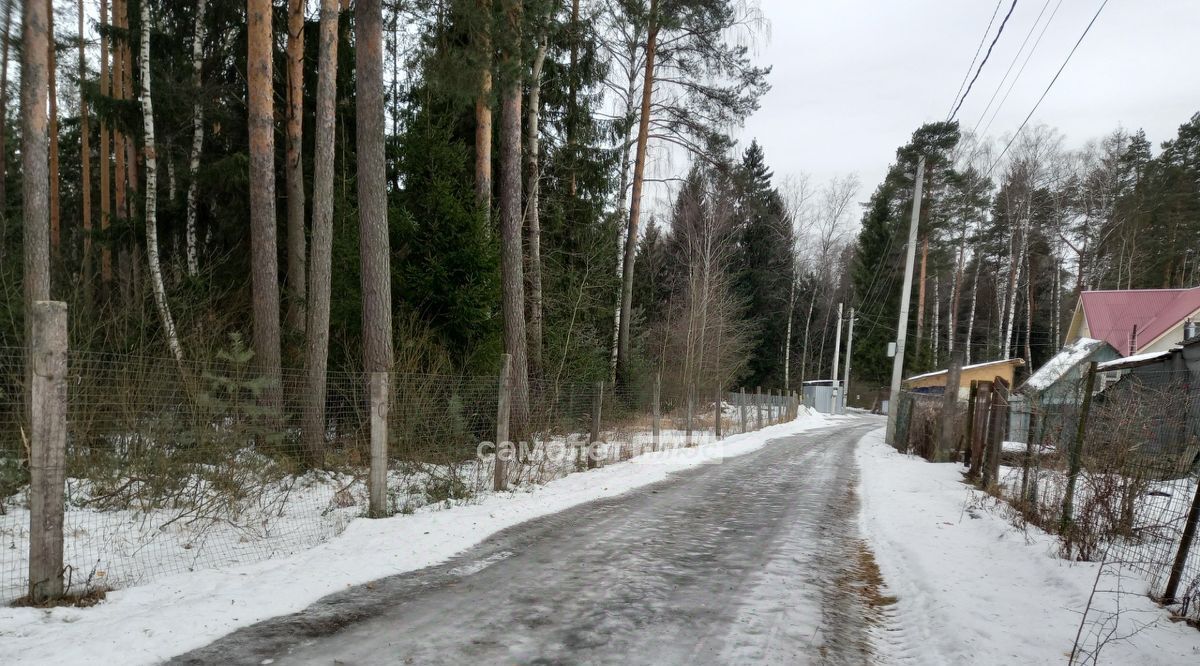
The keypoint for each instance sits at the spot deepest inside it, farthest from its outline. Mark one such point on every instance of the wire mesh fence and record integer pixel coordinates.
(1114, 475)
(172, 468)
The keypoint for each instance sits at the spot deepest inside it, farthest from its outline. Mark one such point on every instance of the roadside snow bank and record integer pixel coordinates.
(972, 589)
(178, 613)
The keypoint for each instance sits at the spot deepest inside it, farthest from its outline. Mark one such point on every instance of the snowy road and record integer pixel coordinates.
(756, 559)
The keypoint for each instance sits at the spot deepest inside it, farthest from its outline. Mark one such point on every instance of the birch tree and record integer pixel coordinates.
(193, 193)
(151, 214)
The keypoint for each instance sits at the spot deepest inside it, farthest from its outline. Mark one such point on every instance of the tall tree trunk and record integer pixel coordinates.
(85, 156)
(374, 250)
(156, 278)
(627, 140)
(1029, 313)
(635, 206)
(511, 277)
(937, 314)
(573, 100)
(316, 355)
(35, 140)
(264, 276)
(921, 292)
(294, 168)
(6, 38)
(120, 191)
(787, 338)
(968, 344)
(131, 167)
(534, 228)
(193, 193)
(956, 291)
(52, 91)
(804, 348)
(483, 112)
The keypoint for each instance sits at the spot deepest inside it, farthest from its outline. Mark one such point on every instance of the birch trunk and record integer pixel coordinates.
(193, 193)
(804, 349)
(631, 90)
(956, 292)
(293, 167)
(156, 278)
(316, 353)
(937, 312)
(635, 206)
(1014, 282)
(967, 343)
(534, 241)
(787, 338)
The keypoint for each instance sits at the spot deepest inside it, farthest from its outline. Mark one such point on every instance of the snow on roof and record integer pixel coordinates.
(1067, 358)
(1133, 361)
(1014, 361)
(1113, 314)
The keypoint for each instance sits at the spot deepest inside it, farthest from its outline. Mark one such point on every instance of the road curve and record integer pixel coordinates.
(747, 561)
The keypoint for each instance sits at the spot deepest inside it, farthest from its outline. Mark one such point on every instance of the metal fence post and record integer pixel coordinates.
(379, 444)
(742, 407)
(946, 443)
(1181, 557)
(656, 426)
(759, 407)
(718, 405)
(594, 439)
(503, 413)
(688, 416)
(48, 446)
(1076, 457)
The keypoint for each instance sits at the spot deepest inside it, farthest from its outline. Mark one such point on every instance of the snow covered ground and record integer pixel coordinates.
(971, 588)
(179, 612)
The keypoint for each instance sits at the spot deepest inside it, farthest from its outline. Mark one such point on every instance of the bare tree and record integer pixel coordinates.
(374, 250)
(193, 193)
(293, 168)
(156, 277)
(264, 277)
(534, 226)
(320, 274)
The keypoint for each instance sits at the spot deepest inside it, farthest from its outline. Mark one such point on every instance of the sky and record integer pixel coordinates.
(852, 79)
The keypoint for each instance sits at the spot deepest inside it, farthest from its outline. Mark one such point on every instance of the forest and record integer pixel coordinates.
(423, 186)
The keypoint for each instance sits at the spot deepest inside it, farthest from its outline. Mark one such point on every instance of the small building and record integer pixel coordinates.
(821, 395)
(1135, 321)
(1048, 401)
(935, 382)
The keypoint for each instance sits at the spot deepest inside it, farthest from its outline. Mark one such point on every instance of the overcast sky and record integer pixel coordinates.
(852, 79)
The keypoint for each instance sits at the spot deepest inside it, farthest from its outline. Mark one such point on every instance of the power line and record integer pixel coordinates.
(1022, 70)
(975, 57)
(991, 46)
(1048, 87)
(1012, 63)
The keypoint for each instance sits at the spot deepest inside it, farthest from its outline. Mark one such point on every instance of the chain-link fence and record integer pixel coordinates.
(172, 468)
(1110, 464)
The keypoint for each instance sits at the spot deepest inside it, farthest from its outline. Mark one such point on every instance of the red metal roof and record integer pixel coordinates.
(1111, 315)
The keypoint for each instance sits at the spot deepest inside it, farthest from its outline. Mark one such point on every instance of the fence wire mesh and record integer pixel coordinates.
(1119, 490)
(174, 468)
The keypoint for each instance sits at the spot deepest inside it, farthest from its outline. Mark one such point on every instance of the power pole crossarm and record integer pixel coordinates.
(905, 293)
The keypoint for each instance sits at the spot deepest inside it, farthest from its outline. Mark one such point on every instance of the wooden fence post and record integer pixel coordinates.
(48, 448)
(379, 444)
(758, 404)
(1181, 557)
(719, 404)
(688, 417)
(946, 443)
(656, 427)
(742, 407)
(966, 439)
(503, 413)
(997, 427)
(1076, 456)
(594, 439)
(983, 400)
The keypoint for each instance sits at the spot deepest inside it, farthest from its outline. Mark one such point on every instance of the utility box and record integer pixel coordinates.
(821, 395)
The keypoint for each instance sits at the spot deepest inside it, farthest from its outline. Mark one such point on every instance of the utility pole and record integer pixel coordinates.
(849, 351)
(905, 292)
(837, 353)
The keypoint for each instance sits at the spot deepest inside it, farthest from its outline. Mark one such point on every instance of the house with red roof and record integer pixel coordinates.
(1135, 321)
